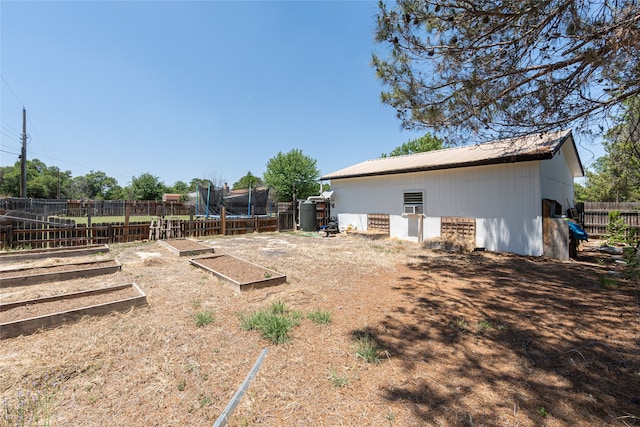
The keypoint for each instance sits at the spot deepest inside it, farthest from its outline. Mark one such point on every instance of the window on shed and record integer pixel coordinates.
(413, 203)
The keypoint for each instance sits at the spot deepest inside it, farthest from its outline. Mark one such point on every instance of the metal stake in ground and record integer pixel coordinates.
(223, 419)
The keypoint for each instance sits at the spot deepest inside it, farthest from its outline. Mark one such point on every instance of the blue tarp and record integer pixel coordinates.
(577, 231)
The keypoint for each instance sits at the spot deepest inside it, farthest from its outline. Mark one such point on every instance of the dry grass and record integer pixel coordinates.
(558, 340)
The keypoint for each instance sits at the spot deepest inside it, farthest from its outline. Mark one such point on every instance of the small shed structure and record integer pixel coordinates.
(171, 197)
(496, 194)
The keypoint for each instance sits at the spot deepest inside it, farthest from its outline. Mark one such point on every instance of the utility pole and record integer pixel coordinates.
(23, 157)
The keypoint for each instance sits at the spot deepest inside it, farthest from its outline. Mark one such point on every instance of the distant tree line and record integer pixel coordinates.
(50, 182)
(615, 177)
(289, 175)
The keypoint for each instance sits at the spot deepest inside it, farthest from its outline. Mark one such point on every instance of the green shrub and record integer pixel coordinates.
(617, 229)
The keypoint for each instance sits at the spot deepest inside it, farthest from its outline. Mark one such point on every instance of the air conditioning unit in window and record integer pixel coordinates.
(412, 209)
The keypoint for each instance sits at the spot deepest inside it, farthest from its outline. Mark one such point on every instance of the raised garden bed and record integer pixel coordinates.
(10, 257)
(33, 275)
(186, 247)
(242, 275)
(26, 317)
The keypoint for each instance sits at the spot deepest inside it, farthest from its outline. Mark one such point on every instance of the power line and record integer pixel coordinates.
(18, 137)
(35, 154)
(3, 145)
(11, 90)
(11, 137)
(33, 127)
(9, 132)
(35, 133)
(9, 152)
(8, 126)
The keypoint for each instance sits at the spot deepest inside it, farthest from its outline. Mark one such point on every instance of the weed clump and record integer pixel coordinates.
(321, 317)
(336, 379)
(274, 322)
(367, 349)
(203, 318)
(34, 405)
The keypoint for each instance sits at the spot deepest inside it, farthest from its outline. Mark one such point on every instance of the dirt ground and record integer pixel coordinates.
(479, 339)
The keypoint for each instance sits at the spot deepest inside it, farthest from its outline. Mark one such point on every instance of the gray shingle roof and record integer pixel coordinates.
(528, 148)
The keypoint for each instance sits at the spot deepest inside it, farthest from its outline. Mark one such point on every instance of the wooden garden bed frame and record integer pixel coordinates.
(8, 257)
(199, 248)
(21, 276)
(274, 278)
(30, 325)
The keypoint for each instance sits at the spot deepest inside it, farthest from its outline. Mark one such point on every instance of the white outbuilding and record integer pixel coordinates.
(496, 194)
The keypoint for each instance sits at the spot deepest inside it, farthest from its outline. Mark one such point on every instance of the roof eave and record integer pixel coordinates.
(502, 160)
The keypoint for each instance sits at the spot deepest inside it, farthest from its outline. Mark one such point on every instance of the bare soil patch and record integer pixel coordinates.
(184, 244)
(465, 339)
(236, 269)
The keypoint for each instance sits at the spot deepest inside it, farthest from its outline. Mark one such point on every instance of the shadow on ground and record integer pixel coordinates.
(489, 338)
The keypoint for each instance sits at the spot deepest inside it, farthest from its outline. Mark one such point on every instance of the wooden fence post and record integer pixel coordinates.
(223, 221)
(89, 233)
(189, 226)
(125, 231)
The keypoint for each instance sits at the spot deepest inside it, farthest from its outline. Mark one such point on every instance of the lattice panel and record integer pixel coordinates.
(378, 222)
(464, 228)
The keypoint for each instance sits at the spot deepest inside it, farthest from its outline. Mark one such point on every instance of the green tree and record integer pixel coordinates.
(599, 184)
(195, 182)
(622, 144)
(580, 192)
(43, 182)
(248, 180)
(425, 143)
(616, 175)
(146, 187)
(10, 180)
(94, 185)
(179, 187)
(292, 175)
(484, 69)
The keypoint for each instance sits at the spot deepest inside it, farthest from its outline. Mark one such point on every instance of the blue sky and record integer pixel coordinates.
(200, 89)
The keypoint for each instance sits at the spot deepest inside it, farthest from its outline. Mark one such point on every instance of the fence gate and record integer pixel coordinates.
(286, 216)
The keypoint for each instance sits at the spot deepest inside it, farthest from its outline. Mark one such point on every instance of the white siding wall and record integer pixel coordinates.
(556, 180)
(505, 200)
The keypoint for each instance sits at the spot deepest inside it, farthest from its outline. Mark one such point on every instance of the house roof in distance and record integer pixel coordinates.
(539, 146)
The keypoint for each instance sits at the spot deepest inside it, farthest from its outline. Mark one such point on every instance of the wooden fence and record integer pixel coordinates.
(41, 233)
(595, 217)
